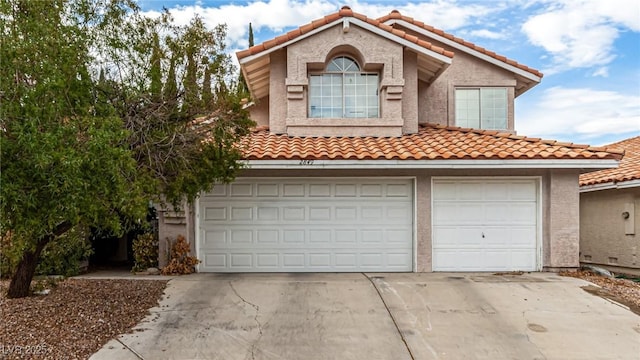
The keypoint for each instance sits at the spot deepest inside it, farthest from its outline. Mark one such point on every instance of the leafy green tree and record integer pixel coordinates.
(87, 136)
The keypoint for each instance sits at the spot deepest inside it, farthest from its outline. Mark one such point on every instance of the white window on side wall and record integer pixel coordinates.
(481, 108)
(343, 91)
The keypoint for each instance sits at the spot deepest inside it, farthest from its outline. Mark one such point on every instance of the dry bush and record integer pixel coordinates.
(180, 262)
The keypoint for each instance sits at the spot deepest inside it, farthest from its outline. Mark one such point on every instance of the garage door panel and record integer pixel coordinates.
(308, 225)
(398, 212)
(524, 236)
(347, 236)
(445, 213)
(523, 191)
(320, 260)
(371, 190)
(267, 190)
(525, 257)
(319, 190)
(496, 191)
(459, 212)
(215, 214)
(268, 213)
(319, 213)
(396, 236)
(293, 190)
(495, 260)
(398, 260)
(320, 236)
(241, 260)
(215, 261)
(293, 260)
(485, 225)
(267, 237)
(372, 237)
(267, 260)
(214, 238)
(523, 213)
(241, 190)
(346, 214)
(241, 237)
(399, 190)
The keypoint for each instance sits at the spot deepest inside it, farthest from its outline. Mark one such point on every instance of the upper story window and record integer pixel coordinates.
(481, 108)
(343, 91)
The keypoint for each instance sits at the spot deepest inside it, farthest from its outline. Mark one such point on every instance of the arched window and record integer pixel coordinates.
(343, 91)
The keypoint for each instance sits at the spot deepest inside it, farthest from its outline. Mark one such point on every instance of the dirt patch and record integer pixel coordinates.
(75, 319)
(623, 291)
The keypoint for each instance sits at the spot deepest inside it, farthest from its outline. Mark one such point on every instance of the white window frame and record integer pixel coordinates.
(482, 120)
(343, 75)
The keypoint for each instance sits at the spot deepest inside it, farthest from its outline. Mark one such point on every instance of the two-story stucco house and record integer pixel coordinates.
(388, 145)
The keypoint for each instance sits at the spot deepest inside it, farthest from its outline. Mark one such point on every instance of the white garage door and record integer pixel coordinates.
(307, 225)
(485, 225)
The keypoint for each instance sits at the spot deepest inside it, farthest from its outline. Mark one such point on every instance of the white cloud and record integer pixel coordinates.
(581, 113)
(581, 34)
(278, 15)
(484, 33)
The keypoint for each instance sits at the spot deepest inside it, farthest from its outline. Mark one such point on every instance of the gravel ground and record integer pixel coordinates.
(624, 291)
(75, 319)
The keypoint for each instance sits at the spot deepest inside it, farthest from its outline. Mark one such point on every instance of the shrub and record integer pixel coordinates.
(63, 256)
(145, 252)
(180, 262)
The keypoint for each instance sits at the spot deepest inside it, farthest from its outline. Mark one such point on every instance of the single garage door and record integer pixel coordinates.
(485, 225)
(307, 225)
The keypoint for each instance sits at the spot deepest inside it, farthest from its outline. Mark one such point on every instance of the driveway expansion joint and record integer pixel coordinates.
(395, 323)
(135, 353)
(257, 309)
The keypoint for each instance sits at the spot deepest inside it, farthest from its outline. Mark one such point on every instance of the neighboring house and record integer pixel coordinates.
(610, 213)
(388, 145)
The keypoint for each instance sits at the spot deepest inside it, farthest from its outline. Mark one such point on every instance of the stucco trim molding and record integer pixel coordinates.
(431, 164)
(610, 185)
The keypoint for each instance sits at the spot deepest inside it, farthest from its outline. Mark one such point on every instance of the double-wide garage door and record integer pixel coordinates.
(314, 225)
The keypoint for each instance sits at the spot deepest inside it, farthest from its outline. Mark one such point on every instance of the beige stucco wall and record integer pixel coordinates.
(290, 68)
(559, 208)
(171, 224)
(606, 238)
(259, 111)
(438, 99)
(562, 220)
(277, 92)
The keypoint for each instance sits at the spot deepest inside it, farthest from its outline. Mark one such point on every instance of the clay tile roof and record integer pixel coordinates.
(629, 168)
(395, 15)
(345, 11)
(432, 142)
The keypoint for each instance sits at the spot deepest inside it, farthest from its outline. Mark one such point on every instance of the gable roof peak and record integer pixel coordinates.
(345, 11)
(395, 14)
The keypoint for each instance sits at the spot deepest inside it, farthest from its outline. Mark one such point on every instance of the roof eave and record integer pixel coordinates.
(610, 185)
(534, 79)
(433, 164)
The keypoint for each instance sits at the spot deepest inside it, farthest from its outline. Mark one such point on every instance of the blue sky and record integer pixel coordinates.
(589, 51)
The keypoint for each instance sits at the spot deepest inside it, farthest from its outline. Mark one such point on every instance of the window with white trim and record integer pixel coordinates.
(343, 91)
(481, 108)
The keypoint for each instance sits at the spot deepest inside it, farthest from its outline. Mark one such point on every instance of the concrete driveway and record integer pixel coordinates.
(380, 316)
